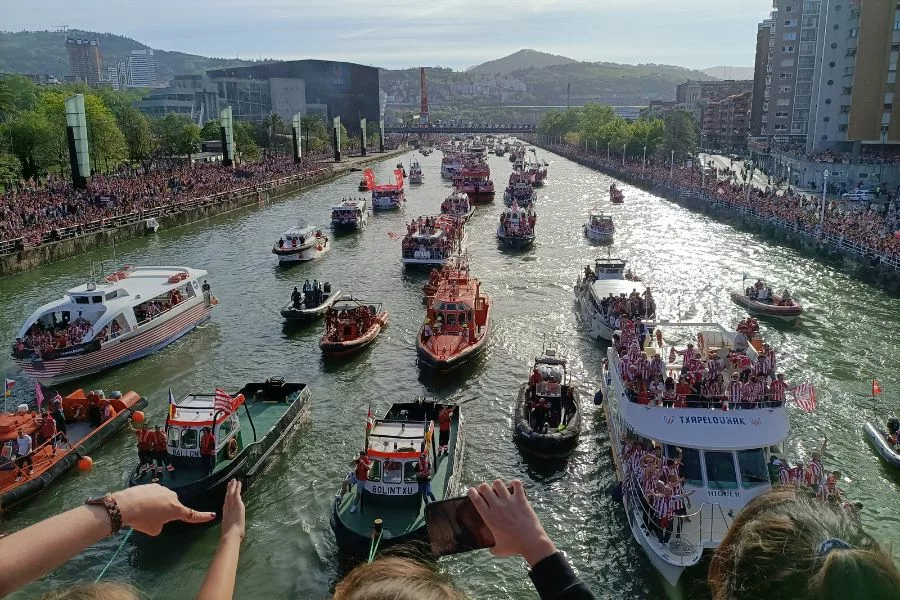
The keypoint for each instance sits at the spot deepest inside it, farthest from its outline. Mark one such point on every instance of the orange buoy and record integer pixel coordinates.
(137, 416)
(85, 463)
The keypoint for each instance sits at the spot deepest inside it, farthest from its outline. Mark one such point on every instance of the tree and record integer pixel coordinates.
(139, 140)
(314, 130)
(273, 123)
(243, 141)
(681, 134)
(189, 139)
(10, 169)
(106, 142)
(211, 130)
(31, 142)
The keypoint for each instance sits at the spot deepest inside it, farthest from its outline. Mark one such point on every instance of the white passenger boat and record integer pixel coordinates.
(598, 290)
(432, 241)
(351, 214)
(451, 164)
(458, 205)
(388, 196)
(415, 172)
(516, 228)
(301, 243)
(723, 453)
(98, 325)
(599, 227)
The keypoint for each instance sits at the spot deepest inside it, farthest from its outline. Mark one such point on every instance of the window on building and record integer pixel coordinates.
(842, 127)
(788, 8)
(849, 70)
(789, 36)
(780, 126)
(824, 120)
(887, 108)
(810, 21)
(854, 32)
(827, 100)
(787, 49)
(781, 115)
(806, 62)
(790, 75)
(809, 35)
(896, 25)
(892, 77)
(790, 22)
(787, 62)
(846, 91)
(831, 64)
(812, 6)
(845, 109)
(783, 102)
(784, 89)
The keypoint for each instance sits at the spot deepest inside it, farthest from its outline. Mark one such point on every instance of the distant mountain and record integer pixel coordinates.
(730, 72)
(523, 59)
(44, 52)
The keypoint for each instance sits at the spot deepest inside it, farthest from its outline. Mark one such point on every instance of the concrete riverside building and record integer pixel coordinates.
(84, 60)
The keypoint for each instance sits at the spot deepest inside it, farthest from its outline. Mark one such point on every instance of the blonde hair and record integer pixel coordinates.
(395, 578)
(107, 590)
(784, 545)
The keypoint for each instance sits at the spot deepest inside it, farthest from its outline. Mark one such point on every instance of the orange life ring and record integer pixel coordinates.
(231, 448)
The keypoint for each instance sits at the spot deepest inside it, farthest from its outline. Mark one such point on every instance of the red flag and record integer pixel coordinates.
(38, 395)
(805, 396)
(223, 401)
(876, 389)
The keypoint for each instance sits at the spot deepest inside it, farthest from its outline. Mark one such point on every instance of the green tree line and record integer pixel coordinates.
(598, 127)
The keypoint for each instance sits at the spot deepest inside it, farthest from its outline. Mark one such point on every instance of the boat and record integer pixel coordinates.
(544, 401)
(615, 194)
(401, 168)
(99, 325)
(311, 303)
(457, 205)
(599, 227)
(759, 299)
(500, 151)
(474, 180)
(415, 172)
(432, 241)
(388, 196)
(516, 229)
(351, 325)
(82, 438)
(724, 456)
(390, 495)
(599, 290)
(363, 185)
(450, 165)
(351, 214)
(300, 243)
(887, 450)
(457, 323)
(249, 428)
(536, 173)
(454, 269)
(519, 191)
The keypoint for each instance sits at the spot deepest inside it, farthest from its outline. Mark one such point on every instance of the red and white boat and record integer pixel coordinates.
(615, 194)
(457, 205)
(98, 325)
(387, 196)
(351, 325)
(432, 240)
(457, 322)
(474, 179)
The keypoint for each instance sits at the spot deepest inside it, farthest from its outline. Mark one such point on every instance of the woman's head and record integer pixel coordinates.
(786, 545)
(94, 591)
(395, 578)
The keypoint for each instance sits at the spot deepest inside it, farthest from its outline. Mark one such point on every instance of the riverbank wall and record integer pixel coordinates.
(185, 213)
(842, 254)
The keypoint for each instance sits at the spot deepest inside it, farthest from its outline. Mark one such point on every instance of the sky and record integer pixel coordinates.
(448, 33)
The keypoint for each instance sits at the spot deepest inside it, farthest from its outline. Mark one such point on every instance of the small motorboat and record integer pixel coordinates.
(311, 303)
(615, 194)
(881, 441)
(548, 414)
(599, 227)
(300, 243)
(759, 299)
(415, 172)
(351, 325)
(363, 185)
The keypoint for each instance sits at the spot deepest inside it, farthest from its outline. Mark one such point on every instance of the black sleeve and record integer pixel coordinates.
(554, 579)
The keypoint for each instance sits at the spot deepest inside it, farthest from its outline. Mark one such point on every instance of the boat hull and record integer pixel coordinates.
(289, 256)
(881, 446)
(516, 242)
(307, 314)
(445, 364)
(597, 325)
(349, 347)
(767, 310)
(481, 197)
(117, 352)
(603, 237)
(546, 445)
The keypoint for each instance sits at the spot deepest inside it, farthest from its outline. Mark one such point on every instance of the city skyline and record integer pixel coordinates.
(695, 34)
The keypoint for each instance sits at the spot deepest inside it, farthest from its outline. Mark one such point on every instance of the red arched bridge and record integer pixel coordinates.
(461, 128)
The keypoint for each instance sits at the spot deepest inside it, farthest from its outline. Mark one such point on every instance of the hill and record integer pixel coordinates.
(44, 52)
(523, 59)
(723, 72)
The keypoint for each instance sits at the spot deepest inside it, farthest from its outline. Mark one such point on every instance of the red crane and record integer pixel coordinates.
(423, 89)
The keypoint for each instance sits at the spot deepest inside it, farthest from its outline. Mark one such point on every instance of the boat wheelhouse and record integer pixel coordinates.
(457, 323)
(247, 428)
(415, 172)
(606, 293)
(474, 180)
(394, 445)
(352, 214)
(98, 325)
(458, 205)
(351, 325)
(432, 241)
(450, 165)
(516, 229)
(723, 455)
(599, 227)
(301, 243)
(548, 412)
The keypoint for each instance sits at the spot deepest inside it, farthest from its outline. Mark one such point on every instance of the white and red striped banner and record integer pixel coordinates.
(805, 396)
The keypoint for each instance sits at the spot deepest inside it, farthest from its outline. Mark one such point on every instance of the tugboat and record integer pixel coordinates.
(474, 180)
(86, 430)
(452, 270)
(457, 323)
(311, 303)
(98, 325)
(350, 326)
(615, 194)
(247, 429)
(432, 241)
(388, 196)
(300, 243)
(599, 227)
(415, 172)
(600, 290)
(548, 413)
(516, 229)
(383, 506)
(351, 214)
(519, 191)
(457, 205)
(759, 299)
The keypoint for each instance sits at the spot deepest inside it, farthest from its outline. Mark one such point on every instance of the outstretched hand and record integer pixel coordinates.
(146, 508)
(512, 521)
(233, 520)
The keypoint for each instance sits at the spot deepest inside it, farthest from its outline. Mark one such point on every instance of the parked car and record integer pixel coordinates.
(858, 196)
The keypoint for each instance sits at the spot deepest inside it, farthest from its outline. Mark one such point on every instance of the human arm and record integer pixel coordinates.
(30, 553)
(517, 530)
(219, 580)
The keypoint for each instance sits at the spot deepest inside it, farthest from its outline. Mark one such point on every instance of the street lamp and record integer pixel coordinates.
(645, 157)
(825, 177)
(672, 165)
(607, 151)
(749, 180)
(623, 155)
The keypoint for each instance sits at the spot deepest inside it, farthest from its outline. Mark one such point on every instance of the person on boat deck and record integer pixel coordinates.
(423, 478)
(815, 472)
(60, 419)
(208, 450)
(534, 379)
(777, 390)
(47, 431)
(108, 411)
(360, 476)
(95, 412)
(445, 418)
(160, 452)
(24, 446)
(295, 297)
(145, 442)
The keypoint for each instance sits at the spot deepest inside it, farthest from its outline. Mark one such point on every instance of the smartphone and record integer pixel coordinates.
(455, 526)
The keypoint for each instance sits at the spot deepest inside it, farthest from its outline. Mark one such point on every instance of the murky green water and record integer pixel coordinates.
(849, 333)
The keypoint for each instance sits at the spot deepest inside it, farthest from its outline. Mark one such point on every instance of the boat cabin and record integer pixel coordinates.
(599, 221)
(299, 236)
(516, 221)
(185, 425)
(350, 211)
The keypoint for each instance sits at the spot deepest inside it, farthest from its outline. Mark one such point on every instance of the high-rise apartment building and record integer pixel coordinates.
(84, 60)
(141, 67)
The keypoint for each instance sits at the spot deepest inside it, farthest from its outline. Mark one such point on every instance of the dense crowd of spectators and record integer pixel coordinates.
(33, 209)
(875, 228)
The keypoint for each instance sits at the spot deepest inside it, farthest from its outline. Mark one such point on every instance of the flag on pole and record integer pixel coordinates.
(223, 402)
(9, 386)
(38, 395)
(172, 405)
(805, 396)
(393, 235)
(876, 389)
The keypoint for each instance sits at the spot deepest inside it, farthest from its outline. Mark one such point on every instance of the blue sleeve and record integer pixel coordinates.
(554, 579)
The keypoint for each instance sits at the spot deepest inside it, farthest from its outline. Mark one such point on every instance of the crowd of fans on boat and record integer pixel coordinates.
(421, 236)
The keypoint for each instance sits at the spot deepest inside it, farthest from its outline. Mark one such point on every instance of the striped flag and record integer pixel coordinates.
(805, 396)
(223, 402)
(172, 405)
(876, 389)
(393, 235)
(9, 386)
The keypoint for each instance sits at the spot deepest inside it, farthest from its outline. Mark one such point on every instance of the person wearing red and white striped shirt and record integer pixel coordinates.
(663, 511)
(815, 472)
(748, 394)
(644, 366)
(777, 389)
(734, 391)
(680, 501)
(798, 475)
(769, 353)
(715, 366)
(784, 472)
(762, 369)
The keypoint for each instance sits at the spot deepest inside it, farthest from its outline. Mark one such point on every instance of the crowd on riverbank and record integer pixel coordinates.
(878, 231)
(33, 209)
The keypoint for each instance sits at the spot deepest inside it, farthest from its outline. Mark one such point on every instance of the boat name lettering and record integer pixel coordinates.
(713, 420)
(392, 490)
(728, 493)
(186, 453)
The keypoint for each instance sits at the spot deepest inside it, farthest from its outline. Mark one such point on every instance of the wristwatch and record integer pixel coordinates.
(112, 509)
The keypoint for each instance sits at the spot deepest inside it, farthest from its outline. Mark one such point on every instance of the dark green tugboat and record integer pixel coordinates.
(389, 490)
(247, 430)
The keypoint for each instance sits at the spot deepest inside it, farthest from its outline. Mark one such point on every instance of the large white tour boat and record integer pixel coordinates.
(301, 243)
(98, 325)
(606, 292)
(433, 241)
(350, 214)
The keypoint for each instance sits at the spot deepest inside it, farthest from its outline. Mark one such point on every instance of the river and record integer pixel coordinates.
(848, 333)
